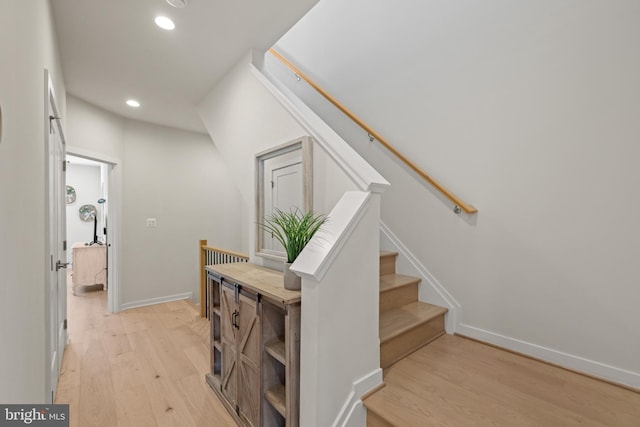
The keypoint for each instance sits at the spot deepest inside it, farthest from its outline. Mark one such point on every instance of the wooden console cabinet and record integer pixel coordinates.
(255, 344)
(89, 265)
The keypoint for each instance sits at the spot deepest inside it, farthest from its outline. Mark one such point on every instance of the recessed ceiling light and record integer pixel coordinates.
(177, 3)
(165, 23)
(133, 103)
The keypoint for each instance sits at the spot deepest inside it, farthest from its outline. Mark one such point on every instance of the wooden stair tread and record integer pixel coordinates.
(393, 281)
(399, 320)
(455, 381)
(387, 254)
(396, 404)
(397, 407)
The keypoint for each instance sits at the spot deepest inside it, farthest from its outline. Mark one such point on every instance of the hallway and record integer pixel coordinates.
(140, 367)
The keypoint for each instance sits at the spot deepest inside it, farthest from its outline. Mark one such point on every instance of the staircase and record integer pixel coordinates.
(406, 324)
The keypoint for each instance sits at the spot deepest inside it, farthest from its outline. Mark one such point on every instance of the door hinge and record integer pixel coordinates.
(64, 245)
(64, 325)
(51, 119)
(64, 166)
(51, 262)
(272, 184)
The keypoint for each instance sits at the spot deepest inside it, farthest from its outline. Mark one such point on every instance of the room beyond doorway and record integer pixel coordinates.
(92, 194)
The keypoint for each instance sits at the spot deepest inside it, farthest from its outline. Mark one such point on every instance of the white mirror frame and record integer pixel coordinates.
(304, 144)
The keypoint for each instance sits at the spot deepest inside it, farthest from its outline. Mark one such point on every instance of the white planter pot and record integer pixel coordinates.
(292, 281)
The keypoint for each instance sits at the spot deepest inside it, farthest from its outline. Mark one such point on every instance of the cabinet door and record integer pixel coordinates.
(228, 342)
(249, 360)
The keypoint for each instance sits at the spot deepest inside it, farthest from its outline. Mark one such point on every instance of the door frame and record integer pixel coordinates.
(114, 213)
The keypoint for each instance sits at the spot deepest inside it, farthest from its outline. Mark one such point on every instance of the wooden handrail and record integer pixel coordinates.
(459, 204)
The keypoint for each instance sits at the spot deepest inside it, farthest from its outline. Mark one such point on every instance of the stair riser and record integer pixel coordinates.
(398, 297)
(405, 344)
(387, 264)
(374, 420)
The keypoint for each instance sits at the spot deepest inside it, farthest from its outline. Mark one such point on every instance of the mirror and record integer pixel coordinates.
(283, 181)
(71, 195)
(87, 213)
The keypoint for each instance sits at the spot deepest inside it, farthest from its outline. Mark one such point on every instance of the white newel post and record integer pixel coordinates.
(339, 326)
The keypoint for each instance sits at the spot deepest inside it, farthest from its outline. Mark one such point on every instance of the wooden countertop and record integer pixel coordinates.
(262, 280)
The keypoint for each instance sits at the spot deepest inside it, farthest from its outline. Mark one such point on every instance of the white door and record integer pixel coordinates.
(56, 295)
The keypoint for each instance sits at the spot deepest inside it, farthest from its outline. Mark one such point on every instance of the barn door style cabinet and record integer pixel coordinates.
(255, 344)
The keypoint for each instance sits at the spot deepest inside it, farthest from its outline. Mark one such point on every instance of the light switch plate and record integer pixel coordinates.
(151, 223)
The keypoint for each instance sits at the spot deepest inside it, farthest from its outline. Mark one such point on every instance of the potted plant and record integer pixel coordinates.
(293, 230)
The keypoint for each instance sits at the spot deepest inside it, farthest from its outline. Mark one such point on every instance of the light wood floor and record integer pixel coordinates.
(140, 367)
(457, 382)
(146, 366)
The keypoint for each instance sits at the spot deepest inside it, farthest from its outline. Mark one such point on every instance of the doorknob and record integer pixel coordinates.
(60, 264)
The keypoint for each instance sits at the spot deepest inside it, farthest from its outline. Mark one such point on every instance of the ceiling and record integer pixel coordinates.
(112, 50)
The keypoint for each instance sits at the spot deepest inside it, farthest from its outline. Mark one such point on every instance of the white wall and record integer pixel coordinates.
(85, 180)
(527, 110)
(95, 129)
(27, 47)
(179, 179)
(243, 118)
(174, 176)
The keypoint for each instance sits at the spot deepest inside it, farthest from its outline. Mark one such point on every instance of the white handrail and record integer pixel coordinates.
(315, 259)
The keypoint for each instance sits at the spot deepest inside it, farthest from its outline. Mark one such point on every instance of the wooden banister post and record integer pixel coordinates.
(203, 279)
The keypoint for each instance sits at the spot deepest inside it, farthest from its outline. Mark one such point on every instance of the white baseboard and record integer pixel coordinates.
(353, 413)
(569, 361)
(431, 290)
(158, 300)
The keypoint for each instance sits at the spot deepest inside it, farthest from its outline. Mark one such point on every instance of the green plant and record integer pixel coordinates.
(293, 229)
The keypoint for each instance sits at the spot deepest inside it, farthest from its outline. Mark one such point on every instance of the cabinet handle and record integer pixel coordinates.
(234, 319)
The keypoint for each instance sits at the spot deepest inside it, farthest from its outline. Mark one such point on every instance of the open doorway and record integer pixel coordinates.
(87, 234)
(95, 181)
